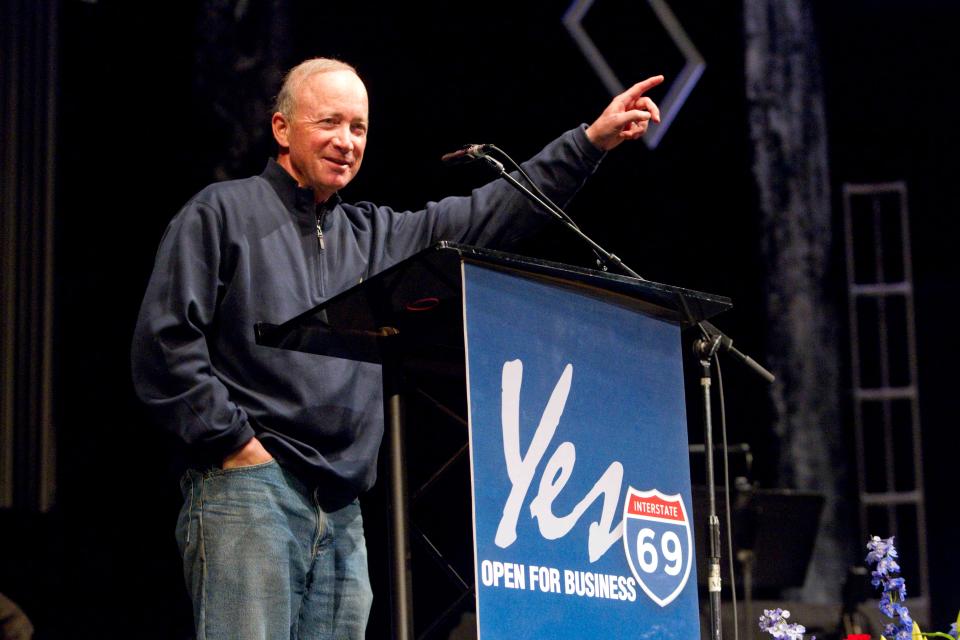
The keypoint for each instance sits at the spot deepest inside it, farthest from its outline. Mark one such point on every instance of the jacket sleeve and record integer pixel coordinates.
(173, 373)
(496, 214)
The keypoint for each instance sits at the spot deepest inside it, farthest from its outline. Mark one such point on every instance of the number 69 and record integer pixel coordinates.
(647, 554)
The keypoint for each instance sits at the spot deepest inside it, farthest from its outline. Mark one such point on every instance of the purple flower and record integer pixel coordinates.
(881, 553)
(897, 585)
(771, 617)
(953, 631)
(879, 548)
(774, 622)
(886, 566)
(886, 606)
(904, 613)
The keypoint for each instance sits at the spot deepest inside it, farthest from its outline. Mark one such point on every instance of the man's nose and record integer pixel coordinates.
(343, 139)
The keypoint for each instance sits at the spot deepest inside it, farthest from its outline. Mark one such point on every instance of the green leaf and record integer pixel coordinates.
(916, 635)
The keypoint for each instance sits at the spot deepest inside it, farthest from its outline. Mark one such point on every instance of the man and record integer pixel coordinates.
(280, 443)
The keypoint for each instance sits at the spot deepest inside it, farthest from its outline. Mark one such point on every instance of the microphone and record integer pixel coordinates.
(721, 342)
(469, 153)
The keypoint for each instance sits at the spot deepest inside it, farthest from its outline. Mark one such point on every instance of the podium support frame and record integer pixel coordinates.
(400, 562)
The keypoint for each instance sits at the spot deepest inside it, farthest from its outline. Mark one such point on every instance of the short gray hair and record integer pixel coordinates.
(286, 99)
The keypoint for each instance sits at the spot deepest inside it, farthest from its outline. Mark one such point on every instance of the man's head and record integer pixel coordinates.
(320, 124)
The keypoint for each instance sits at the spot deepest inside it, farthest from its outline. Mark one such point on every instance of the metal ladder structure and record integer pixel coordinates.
(883, 358)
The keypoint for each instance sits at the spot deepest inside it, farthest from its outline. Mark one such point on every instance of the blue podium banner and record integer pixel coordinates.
(579, 461)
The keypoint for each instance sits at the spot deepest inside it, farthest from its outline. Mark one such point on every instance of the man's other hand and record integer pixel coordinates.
(249, 454)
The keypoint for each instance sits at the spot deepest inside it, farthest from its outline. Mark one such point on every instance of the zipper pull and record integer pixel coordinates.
(320, 235)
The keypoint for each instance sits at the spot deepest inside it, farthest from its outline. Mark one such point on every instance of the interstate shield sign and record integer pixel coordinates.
(657, 542)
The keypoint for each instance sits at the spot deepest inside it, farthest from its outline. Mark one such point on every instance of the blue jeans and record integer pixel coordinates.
(263, 561)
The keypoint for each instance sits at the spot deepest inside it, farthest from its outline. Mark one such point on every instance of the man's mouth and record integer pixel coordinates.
(338, 162)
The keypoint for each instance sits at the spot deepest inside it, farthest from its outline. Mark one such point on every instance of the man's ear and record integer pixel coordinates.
(281, 129)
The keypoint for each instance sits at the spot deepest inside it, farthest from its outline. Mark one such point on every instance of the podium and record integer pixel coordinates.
(576, 426)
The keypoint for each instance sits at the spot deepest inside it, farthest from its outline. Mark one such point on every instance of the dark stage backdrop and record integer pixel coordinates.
(890, 102)
(158, 99)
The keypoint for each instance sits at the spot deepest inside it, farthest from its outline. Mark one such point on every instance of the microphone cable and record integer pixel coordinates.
(536, 188)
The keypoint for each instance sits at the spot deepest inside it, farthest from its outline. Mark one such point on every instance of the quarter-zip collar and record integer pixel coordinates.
(298, 200)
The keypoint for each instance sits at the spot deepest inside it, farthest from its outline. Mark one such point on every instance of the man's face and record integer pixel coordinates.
(322, 141)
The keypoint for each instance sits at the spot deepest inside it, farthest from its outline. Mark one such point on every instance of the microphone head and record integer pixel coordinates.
(477, 150)
(466, 153)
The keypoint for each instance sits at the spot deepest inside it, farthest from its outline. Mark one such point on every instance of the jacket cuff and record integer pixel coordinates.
(216, 450)
(589, 150)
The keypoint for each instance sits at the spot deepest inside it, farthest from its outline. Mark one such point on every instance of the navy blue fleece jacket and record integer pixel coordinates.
(247, 251)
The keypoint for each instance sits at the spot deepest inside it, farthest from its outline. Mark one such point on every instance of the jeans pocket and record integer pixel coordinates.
(189, 488)
(247, 469)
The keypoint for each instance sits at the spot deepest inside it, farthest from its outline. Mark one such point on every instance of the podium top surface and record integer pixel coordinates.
(669, 298)
(422, 296)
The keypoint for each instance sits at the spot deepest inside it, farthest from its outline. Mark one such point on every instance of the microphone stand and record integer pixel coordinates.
(706, 348)
(560, 215)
